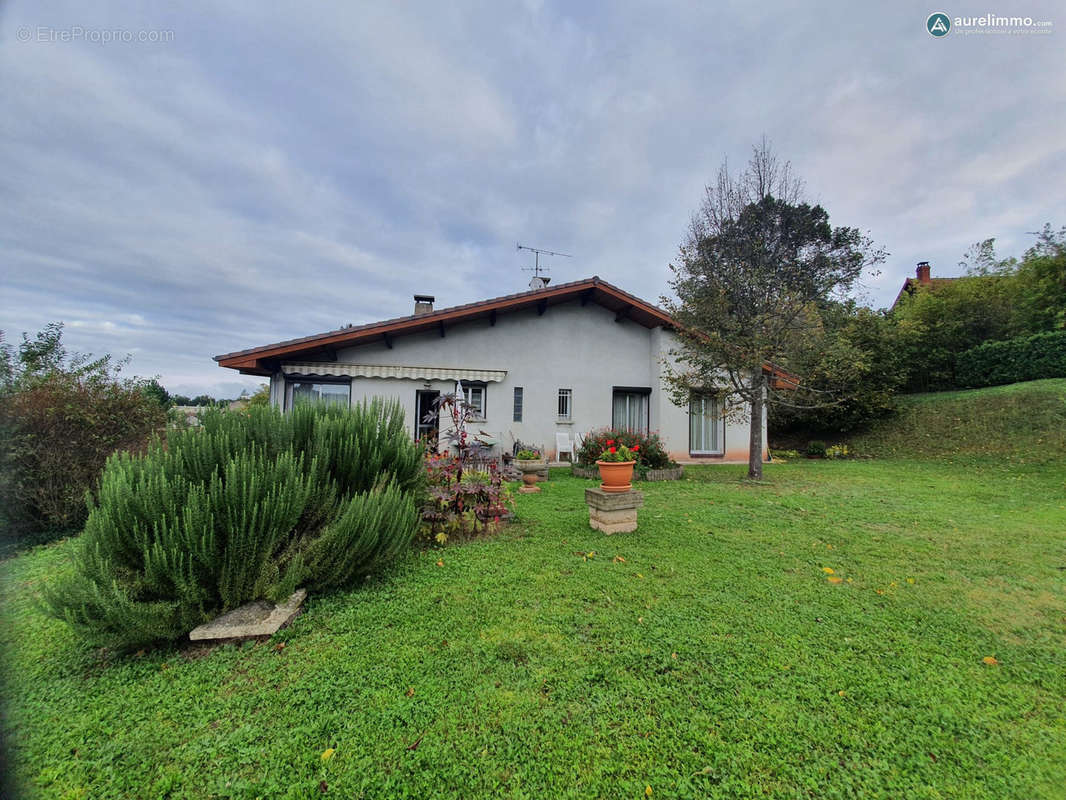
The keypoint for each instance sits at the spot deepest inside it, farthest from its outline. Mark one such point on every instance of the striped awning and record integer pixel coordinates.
(334, 369)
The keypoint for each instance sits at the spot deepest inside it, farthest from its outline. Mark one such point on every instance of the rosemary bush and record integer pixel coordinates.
(249, 507)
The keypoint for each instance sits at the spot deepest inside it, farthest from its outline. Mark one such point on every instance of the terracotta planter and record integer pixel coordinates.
(529, 474)
(616, 476)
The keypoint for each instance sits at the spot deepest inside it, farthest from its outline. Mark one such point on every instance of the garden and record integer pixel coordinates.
(847, 628)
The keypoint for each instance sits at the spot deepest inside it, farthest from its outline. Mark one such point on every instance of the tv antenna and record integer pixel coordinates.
(536, 269)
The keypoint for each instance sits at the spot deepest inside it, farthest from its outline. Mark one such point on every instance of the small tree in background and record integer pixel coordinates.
(61, 415)
(261, 397)
(754, 265)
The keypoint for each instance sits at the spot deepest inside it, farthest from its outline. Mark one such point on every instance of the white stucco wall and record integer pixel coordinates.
(569, 347)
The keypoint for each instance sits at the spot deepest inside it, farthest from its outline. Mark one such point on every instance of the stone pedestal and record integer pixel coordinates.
(613, 512)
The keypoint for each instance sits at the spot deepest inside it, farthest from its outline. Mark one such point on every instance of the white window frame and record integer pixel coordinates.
(479, 390)
(568, 396)
(704, 398)
(290, 385)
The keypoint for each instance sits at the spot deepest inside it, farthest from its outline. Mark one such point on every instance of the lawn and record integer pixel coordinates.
(709, 654)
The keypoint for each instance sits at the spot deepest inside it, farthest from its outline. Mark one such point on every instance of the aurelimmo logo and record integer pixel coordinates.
(938, 24)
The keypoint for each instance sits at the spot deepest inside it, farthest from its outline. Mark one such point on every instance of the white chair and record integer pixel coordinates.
(563, 445)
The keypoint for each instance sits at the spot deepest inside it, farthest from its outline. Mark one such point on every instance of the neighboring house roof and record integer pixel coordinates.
(265, 360)
(923, 278)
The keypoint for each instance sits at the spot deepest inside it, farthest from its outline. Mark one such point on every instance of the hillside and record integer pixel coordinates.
(1018, 422)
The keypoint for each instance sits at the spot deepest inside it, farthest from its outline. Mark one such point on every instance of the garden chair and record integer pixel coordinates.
(563, 445)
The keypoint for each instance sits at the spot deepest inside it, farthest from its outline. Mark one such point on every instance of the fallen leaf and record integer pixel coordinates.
(640, 576)
(827, 570)
(619, 560)
(834, 579)
(990, 660)
(841, 692)
(640, 619)
(327, 754)
(673, 656)
(440, 563)
(647, 791)
(322, 787)
(410, 691)
(910, 580)
(279, 647)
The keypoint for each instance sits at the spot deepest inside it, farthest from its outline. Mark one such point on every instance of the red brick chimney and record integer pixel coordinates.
(923, 273)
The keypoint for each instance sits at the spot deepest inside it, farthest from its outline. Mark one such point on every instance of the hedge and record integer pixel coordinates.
(1025, 358)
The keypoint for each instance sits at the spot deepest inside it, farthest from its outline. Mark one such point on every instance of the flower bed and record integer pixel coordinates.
(669, 474)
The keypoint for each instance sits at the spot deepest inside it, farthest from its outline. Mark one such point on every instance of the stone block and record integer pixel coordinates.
(612, 501)
(613, 512)
(250, 621)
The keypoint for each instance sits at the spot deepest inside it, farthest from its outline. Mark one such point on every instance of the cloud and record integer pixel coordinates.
(265, 176)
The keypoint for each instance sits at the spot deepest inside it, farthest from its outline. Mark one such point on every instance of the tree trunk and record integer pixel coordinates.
(758, 386)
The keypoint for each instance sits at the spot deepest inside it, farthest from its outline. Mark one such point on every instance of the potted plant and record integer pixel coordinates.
(616, 466)
(530, 463)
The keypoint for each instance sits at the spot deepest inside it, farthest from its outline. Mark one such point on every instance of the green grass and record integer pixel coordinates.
(1021, 422)
(715, 660)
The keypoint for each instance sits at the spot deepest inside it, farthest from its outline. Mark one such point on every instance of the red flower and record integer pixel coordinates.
(610, 442)
(614, 449)
(635, 448)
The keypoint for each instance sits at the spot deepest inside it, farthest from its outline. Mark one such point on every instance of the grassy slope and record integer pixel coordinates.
(1019, 422)
(715, 660)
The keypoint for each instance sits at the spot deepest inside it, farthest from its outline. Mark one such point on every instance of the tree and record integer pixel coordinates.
(154, 389)
(859, 355)
(261, 397)
(1042, 282)
(62, 414)
(754, 265)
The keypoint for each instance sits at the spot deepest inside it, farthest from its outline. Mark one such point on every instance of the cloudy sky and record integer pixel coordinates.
(247, 174)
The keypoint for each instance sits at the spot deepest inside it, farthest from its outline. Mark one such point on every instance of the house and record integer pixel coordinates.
(560, 359)
(922, 277)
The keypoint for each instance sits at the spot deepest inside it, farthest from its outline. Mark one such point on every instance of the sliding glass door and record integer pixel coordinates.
(706, 428)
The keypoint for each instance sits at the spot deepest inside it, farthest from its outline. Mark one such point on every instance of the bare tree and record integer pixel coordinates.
(755, 263)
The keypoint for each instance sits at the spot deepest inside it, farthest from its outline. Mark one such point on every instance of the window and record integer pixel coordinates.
(518, 404)
(630, 409)
(705, 425)
(328, 393)
(474, 394)
(566, 397)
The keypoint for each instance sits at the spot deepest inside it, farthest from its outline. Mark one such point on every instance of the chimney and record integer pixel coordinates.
(423, 304)
(923, 273)
(538, 282)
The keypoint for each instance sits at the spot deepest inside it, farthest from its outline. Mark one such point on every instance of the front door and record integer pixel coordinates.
(426, 420)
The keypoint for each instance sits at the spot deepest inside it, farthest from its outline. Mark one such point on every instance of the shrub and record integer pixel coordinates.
(248, 507)
(652, 454)
(837, 451)
(56, 433)
(460, 499)
(1025, 358)
(816, 449)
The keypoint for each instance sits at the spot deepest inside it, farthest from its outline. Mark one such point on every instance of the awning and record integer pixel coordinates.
(334, 369)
